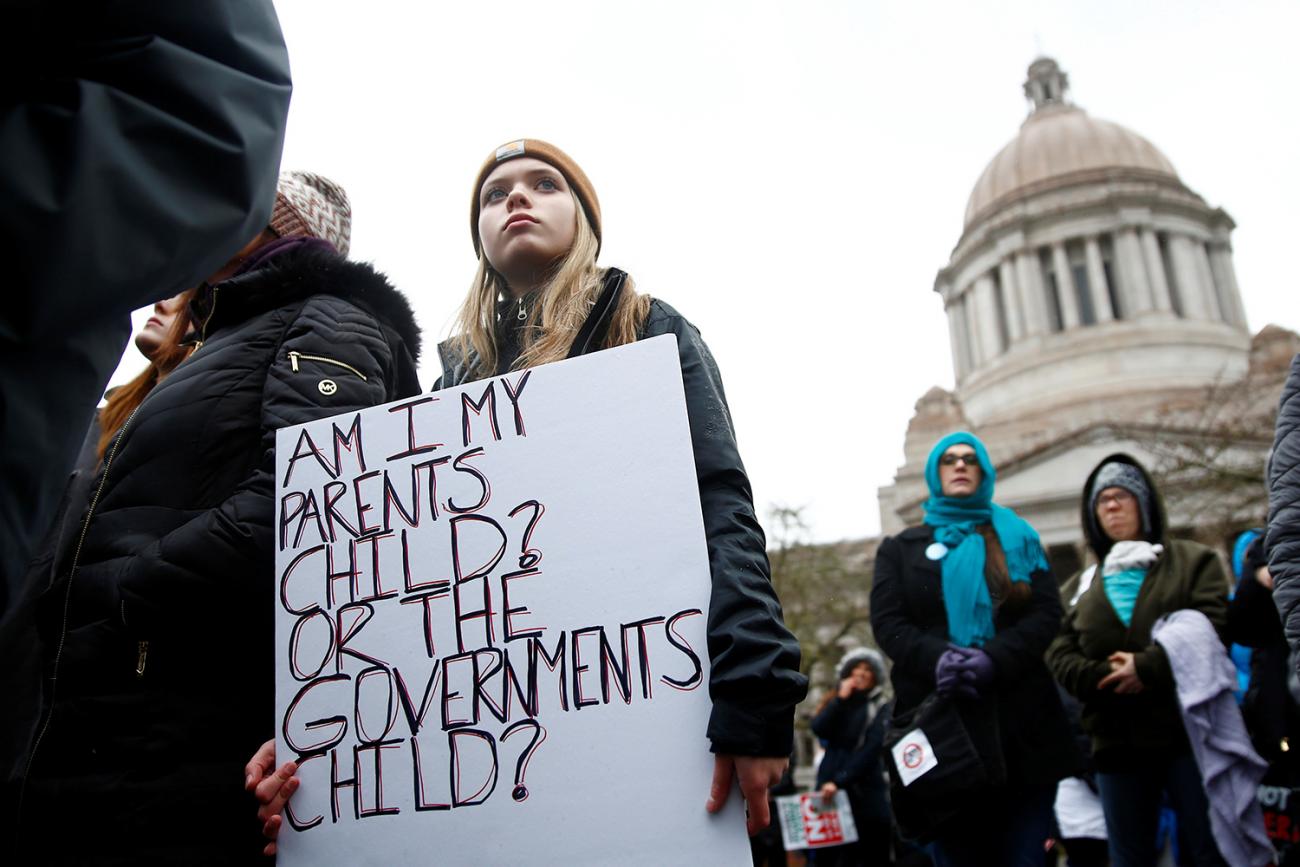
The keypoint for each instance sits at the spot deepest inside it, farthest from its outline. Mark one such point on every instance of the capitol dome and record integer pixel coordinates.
(1059, 145)
(1086, 268)
(1092, 307)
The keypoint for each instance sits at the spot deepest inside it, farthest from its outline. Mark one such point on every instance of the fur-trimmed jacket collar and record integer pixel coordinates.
(297, 275)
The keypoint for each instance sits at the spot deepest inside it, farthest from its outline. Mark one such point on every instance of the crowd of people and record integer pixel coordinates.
(1102, 721)
(117, 615)
(164, 536)
(1082, 713)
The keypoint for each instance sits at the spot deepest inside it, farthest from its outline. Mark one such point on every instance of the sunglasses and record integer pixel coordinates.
(951, 460)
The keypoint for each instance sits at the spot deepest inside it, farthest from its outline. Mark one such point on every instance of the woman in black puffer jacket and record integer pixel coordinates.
(156, 637)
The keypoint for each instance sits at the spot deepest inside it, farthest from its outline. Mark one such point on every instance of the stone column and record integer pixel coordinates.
(1030, 284)
(1213, 291)
(1221, 261)
(986, 311)
(1132, 271)
(970, 320)
(1065, 294)
(1011, 301)
(1097, 280)
(1156, 271)
(959, 364)
(1190, 291)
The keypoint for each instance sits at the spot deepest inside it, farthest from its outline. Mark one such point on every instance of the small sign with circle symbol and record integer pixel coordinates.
(913, 756)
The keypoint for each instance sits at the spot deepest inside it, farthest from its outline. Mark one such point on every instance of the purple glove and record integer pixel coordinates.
(976, 668)
(948, 671)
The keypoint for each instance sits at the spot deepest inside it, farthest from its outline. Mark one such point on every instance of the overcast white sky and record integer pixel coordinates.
(790, 176)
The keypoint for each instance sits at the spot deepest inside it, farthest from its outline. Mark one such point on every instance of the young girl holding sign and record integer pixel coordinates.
(539, 296)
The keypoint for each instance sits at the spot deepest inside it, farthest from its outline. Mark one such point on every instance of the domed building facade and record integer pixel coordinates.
(1090, 290)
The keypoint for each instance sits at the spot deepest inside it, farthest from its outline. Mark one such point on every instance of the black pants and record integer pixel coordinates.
(1005, 832)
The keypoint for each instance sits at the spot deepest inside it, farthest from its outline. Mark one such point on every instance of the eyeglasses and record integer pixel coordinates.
(1119, 497)
(951, 460)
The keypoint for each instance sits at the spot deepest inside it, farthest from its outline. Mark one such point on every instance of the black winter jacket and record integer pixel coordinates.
(158, 637)
(19, 644)
(141, 142)
(910, 624)
(1283, 541)
(755, 682)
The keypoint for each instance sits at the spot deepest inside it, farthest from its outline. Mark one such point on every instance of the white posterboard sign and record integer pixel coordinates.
(808, 821)
(490, 628)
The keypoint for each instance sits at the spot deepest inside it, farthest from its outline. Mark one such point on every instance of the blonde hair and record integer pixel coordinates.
(566, 300)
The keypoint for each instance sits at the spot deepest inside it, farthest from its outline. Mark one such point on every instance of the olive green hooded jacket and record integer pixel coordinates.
(1146, 726)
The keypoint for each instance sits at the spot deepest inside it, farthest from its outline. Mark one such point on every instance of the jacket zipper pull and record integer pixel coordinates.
(295, 357)
(141, 655)
(203, 329)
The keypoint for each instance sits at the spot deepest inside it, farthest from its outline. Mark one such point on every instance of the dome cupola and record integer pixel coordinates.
(1046, 84)
(1060, 144)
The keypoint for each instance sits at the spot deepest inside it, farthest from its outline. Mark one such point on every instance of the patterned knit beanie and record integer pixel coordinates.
(1123, 475)
(547, 153)
(309, 205)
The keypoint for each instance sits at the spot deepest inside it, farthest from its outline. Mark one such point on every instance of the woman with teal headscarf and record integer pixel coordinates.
(964, 605)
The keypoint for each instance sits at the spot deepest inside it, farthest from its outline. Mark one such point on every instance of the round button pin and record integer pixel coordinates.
(327, 386)
(936, 551)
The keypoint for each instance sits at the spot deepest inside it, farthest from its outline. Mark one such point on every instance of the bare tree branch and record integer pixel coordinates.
(1209, 455)
(824, 591)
